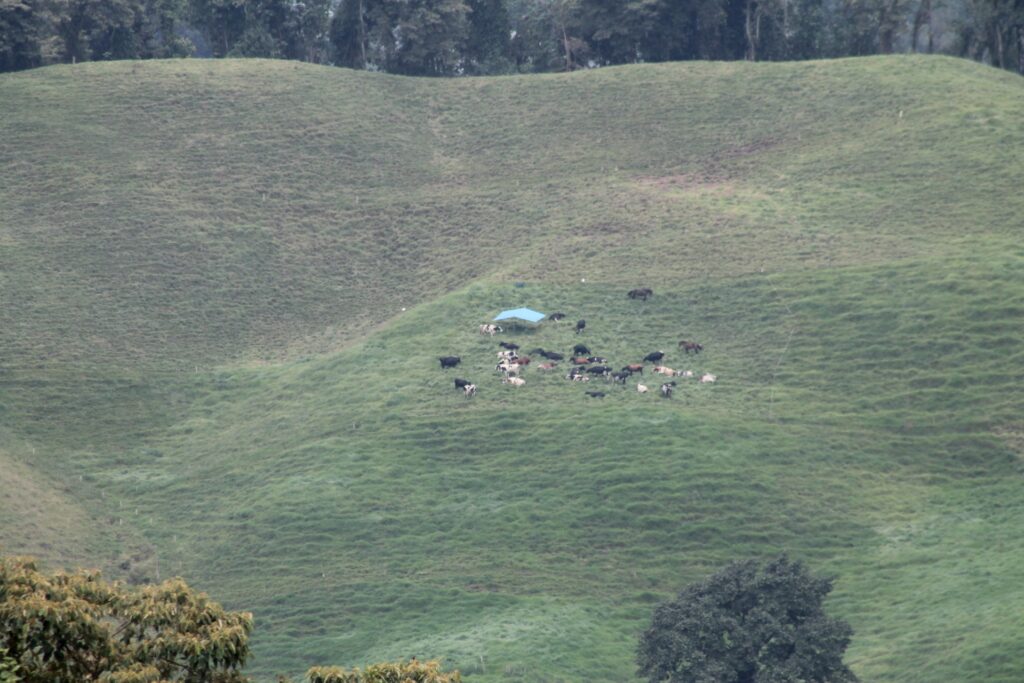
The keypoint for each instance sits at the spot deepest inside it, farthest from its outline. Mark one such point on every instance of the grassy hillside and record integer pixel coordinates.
(206, 369)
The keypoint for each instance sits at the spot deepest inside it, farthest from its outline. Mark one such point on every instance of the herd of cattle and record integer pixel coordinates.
(584, 364)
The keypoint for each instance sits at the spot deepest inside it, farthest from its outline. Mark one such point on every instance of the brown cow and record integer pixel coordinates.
(688, 346)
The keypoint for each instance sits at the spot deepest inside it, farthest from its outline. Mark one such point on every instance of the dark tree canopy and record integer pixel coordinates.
(464, 37)
(749, 623)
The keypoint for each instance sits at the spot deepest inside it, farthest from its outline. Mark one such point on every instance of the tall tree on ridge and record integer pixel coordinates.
(428, 37)
(221, 21)
(348, 34)
(25, 26)
(487, 43)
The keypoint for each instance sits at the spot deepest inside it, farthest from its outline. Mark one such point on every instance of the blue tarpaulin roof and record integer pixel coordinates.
(525, 314)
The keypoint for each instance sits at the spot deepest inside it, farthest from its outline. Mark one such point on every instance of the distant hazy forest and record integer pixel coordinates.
(469, 37)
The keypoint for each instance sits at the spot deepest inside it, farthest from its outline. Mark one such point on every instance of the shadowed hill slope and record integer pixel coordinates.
(844, 237)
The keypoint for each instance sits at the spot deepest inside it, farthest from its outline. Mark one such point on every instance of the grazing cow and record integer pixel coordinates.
(461, 383)
(581, 350)
(599, 370)
(634, 368)
(548, 366)
(654, 356)
(556, 316)
(595, 394)
(507, 355)
(641, 389)
(708, 378)
(597, 359)
(621, 377)
(551, 355)
(509, 345)
(642, 293)
(449, 361)
(667, 389)
(580, 325)
(580, 361)
(470, 390)
(514, 381)
(688, 346)
(489, 329)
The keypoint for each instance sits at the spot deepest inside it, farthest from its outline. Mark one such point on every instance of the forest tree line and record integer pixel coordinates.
(473, 37)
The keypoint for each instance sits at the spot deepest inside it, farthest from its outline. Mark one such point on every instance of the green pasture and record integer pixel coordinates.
(206, 369)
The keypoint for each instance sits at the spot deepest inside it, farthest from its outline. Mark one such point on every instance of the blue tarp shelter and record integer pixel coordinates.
(520, 315)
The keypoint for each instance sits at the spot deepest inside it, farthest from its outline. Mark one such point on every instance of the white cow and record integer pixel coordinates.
(508, 368)
(470, 390)
(514, 381)
(641, 389)
(708, 378)
(489, 329)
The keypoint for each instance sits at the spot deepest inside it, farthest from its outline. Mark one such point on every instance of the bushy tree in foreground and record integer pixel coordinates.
(748, 623)
(8, 668)
(78, 627)
(402, 672)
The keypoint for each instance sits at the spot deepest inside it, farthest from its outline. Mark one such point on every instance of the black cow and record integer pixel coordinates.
(654, 356)
(667, 389)
(556, 316)
(449, 361)
(599, 370)
(641, 293)
(551, 355)
(459, 383)
(509, 345)
(621, 377)
(581, 350)
(595, 394)
(580, 325)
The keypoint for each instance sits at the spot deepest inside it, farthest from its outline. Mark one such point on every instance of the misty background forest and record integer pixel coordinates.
(489, 37)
